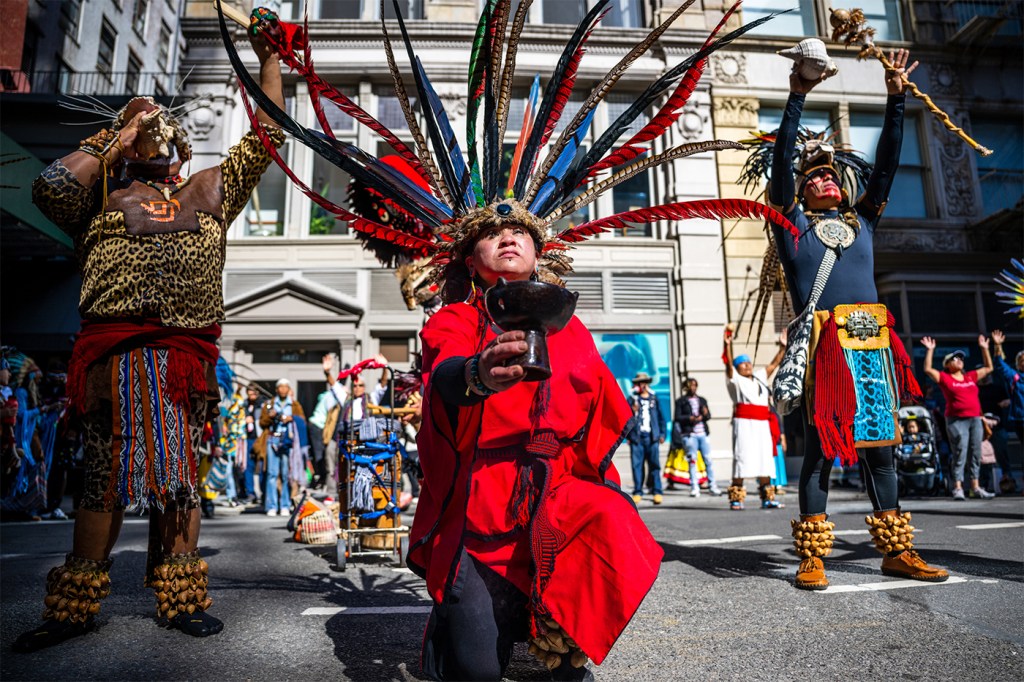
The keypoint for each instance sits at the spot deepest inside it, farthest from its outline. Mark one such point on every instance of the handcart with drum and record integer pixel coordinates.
(369, 478)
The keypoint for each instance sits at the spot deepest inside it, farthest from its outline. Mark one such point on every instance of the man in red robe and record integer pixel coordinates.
(521, 531)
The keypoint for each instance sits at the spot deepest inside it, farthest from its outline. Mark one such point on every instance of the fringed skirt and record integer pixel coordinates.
(141, 445)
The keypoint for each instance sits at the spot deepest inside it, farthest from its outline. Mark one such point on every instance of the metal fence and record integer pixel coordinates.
(96, 83)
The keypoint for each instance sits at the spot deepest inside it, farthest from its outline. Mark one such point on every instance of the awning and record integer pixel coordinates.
(18, 168)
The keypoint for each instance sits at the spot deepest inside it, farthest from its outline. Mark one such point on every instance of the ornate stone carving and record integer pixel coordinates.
(944, 80)
(957, 175)
(738, 112)
(454, 103)
(693, 122)
(201, 120)
(916, 241)
(730, 68)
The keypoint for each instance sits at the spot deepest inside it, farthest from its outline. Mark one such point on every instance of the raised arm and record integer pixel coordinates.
(929, 344)
(986, 358)
(890, 142)
(777, 360)
(727, 352)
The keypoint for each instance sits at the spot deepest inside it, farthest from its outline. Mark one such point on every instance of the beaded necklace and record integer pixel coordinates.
(171, 184)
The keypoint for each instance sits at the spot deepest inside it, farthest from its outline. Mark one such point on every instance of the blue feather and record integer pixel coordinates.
(560, 166)
(451, 145)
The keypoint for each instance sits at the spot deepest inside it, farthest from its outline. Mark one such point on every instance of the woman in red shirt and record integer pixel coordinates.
(963, 411)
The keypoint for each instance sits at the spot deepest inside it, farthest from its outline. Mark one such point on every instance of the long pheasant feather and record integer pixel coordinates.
(416, 246)
(610, 79)
(636, 168)
(553, 182)
(653, 91)
(564, 90)
(709, 209)
(435, 179)
(532, 147)
(478, 64)
(505, 88)
(529, 116)
(669, 112)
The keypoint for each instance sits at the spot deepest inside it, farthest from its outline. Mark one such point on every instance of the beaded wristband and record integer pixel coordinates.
(473, 382)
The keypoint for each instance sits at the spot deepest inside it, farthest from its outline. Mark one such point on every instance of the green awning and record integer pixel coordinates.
(18, 168)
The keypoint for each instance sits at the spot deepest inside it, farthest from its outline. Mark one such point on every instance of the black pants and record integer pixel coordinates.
(814, 474)
(470, 637)
(316, 450)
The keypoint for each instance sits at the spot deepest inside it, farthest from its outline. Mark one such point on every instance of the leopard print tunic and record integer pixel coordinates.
(166, 260)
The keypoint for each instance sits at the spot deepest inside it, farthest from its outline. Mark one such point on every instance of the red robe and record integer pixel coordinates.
(583, 555)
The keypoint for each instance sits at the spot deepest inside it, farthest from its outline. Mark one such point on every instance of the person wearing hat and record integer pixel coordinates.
(646, 436)
(755, 431)
(278, 421)
(963, 412)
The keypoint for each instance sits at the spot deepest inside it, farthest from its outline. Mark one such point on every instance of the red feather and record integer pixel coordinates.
(417, 247)
(666, 116)
(318, 87)
(568, 81)
(709, 209)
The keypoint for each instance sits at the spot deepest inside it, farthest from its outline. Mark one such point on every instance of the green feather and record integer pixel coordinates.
(478, 62)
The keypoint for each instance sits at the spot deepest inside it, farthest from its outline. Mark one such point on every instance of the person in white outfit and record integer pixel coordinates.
(753, 440)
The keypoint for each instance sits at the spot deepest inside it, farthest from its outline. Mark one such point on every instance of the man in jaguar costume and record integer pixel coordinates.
(142, 380)
(858, 369)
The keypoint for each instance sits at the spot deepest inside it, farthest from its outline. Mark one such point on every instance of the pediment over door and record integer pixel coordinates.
(291, 300)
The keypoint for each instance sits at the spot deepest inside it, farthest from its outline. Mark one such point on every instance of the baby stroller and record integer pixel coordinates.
(918, 469)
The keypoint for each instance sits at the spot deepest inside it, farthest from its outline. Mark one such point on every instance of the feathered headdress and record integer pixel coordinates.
(1013, 288)
(457, 194)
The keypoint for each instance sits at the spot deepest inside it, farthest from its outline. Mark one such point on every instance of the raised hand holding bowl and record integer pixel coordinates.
(536, 308)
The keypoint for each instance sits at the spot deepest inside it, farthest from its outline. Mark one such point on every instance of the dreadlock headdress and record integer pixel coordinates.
(451, 197)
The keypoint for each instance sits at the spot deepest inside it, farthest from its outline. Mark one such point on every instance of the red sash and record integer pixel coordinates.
(760, 413)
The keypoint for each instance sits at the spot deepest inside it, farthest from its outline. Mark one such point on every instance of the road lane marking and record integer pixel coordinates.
(902, 584)
(851, 532)
(992, 526)
(364, 610)
(726, 541)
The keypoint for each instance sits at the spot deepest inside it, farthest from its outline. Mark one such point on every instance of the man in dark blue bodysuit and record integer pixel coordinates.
(846, 403)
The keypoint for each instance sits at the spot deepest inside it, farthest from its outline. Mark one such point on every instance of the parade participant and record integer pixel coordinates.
(842, 418)
(754, 426)
(963, 412)
(692, 417)
(645, 438)
(141, 380)
(257, 447)
(520, 512)
(516, 474)
(282, 447)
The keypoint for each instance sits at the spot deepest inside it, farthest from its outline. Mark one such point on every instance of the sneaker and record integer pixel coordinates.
(695, 492)
(981, 494)
(715, 490)
(638, 498)
(958, 494)
(772, 504)
(657, 499)
(271, 512)
(56, 515)
(736, 505)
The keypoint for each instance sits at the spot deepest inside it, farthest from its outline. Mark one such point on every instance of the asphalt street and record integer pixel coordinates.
(723, 607)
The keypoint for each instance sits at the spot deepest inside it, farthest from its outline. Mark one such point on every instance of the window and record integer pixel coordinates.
(139, 17)
(108, 42)
(164, 55)
(943, 312)
(343, 9)
(1004, 19)
(131, 77)
(70, 12)
(631, 195)
(882, 15)
(563, 11)
(65, 77)
(815, 120)
(411, 9)
(1001, 175)
(625, 13)
(330, 182)
(798, 24)
(338, 120)
(908, 189)
(264, 215)
(395, 348)
(389, 111)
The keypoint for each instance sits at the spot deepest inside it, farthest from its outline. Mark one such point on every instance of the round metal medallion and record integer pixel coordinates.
(834, 233)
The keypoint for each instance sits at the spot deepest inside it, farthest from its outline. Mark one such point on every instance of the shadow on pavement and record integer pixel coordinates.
(962, 511)
(721, 562)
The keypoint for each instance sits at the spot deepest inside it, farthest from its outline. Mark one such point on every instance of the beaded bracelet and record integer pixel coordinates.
(473, 382)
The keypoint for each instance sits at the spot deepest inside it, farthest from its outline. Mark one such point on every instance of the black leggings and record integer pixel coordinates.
(814, 475)
(470, 637)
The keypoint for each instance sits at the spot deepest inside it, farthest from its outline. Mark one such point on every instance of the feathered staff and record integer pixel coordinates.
(1013, 284)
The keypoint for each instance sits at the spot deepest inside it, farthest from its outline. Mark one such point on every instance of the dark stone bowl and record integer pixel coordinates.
(538, 309)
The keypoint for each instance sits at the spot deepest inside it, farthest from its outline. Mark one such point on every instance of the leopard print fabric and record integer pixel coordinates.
(173, 276)
(97, 429)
